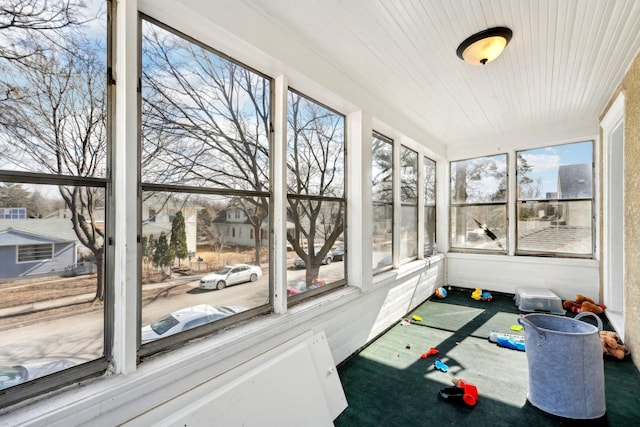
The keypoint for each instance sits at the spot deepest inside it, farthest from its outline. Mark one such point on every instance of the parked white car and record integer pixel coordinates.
(231, 275)
(186, 318)
(17, 374)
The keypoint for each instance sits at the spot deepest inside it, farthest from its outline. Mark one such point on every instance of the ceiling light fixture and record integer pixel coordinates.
(484, 46)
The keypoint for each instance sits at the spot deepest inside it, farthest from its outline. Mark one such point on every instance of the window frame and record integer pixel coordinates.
(406, 202)
(523, 201)
(433, 249)
(329, 287)
(36, 250)
(153, 347)
(98, 366)
(389, 204)
(453, 205)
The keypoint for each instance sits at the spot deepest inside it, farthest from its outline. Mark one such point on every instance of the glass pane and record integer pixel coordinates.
(316, 229)
(382, 170)
(315, 144)
(479, 227)
(429, 230)
(555, 227)
(557, 172)
(194, 253)
(429, 182)
(409, 232)
(408, 176)
(382, 236)
(479, 180)
(205, 119)
(51, 278)
(53, 85)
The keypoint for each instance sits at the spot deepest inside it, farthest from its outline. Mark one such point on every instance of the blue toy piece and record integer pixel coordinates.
(439, 365)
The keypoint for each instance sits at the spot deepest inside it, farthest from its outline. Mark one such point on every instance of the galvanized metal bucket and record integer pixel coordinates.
(566, 370)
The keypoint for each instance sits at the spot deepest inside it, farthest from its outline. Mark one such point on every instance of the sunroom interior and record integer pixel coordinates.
(438, 173)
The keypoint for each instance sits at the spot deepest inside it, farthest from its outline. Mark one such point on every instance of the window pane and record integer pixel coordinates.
(408, 176)
(479, 227)
(205, 119)
(409, 232)
(409, 200)
(479, 180)
(316, 231)
(557, 172)
(51, 271)
(382, 236)
(429, 182)
(188, 251)
(558, 227)
(315, 149)
(54, 115)
(28, 253)
(315, 187)
(429, 229)
(429, 206)
(53, 119)
(382, 169)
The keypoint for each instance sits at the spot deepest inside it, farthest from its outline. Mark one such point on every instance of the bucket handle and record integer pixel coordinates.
(541, 336)
(527, 323)
(588, 313)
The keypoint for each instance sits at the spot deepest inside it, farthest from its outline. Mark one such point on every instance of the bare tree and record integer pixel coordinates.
(205, 123)
(315, 181)
(56, 124)
(25, 24)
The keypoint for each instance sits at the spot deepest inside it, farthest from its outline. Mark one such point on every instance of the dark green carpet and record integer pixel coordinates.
(389, 384)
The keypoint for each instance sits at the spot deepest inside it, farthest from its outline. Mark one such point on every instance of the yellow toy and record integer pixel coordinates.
(477, 294)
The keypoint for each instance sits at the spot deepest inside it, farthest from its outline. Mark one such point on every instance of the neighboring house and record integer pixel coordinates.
(30, 247)
(158, 213)
(235, 229)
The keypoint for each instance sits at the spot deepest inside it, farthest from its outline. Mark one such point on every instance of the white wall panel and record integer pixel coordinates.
(566, 277)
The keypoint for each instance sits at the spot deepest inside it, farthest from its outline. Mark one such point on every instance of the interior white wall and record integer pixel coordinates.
(500, 273)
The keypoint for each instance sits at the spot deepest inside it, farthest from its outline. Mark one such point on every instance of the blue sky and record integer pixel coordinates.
(545, 161)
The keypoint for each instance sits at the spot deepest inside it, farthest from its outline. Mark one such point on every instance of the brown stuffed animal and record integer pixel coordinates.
(583, 303)
(611, 346)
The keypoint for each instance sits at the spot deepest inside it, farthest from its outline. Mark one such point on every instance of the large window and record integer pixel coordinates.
(409, 204)
(382, 197)
(479, 204)
(555, 200)
(429, 167)
(316, 197)
(54, 187)
(205, 189)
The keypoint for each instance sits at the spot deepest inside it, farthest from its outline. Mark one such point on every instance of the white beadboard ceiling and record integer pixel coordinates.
(556, 75)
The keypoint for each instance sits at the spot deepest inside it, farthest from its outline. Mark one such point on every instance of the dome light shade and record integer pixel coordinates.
(484, 46)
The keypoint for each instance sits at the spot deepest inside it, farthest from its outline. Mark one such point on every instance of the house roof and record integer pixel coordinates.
(34, 230)
(574, 181)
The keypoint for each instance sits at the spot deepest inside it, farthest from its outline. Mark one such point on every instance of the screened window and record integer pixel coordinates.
(479, 204)
(382, 199)
(409, 204)
(555, 200)
(315, 195)
(54, 183)
(28, 253)
(429, 206)
(204, 163)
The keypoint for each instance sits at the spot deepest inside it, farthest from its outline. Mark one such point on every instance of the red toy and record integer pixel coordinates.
(462, 390)
(431, 352)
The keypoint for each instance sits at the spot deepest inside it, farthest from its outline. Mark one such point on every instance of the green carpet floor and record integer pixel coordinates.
(389, 384)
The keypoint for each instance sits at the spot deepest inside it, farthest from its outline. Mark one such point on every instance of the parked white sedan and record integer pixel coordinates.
(231, 275)
(17, 374)
(186, 318)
